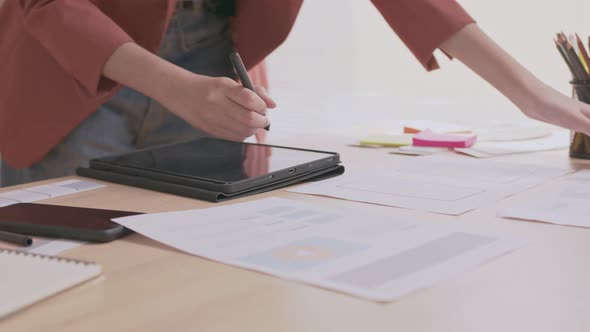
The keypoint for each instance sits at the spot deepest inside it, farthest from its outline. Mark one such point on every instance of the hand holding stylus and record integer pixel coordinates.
(236, 60)
(219, 106)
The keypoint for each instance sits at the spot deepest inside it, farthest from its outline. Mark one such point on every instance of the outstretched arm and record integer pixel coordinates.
(534, 98)
(425, 25)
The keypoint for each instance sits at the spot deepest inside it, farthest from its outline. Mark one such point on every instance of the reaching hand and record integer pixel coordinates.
(534, 98)
(550, 106)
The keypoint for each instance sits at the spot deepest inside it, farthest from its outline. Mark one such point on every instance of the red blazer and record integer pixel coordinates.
(52, 53)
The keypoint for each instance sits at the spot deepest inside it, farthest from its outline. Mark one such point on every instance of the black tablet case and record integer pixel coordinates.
(204, 194)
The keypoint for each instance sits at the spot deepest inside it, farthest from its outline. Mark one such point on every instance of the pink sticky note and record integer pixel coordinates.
(430, 138)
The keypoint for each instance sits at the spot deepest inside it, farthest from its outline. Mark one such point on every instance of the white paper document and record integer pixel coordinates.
(557, 140)
(434, 184)
(37, 193)
(371, 256)
(564, 203)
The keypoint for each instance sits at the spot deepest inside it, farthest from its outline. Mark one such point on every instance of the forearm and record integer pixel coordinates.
(135, 67)
(482, 55)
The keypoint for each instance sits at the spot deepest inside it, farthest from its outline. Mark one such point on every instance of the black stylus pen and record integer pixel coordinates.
(236, 61)
(19, 239)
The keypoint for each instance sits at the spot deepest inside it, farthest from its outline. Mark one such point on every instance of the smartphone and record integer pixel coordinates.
(64, 222)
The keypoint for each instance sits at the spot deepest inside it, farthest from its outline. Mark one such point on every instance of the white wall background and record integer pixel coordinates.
(346, 46)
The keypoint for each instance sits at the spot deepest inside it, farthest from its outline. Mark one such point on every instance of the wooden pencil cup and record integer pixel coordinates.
(580, 143)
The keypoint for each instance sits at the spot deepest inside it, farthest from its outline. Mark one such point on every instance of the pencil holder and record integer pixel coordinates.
(580, 143)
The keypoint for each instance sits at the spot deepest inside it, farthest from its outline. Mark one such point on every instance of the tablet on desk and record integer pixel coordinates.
(214, 169)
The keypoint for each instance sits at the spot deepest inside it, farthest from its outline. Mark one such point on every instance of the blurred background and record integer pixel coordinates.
(336, 52)
(351, 47)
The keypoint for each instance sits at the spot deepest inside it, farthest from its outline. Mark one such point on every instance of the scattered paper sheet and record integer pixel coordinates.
(33, 194)
(418, 150)
(505, 132)
(22, 196)
(416, 126)
(371, 256)
(557, 140)
(564, 203)
(434, 184)
(7, 201)
(37, 193)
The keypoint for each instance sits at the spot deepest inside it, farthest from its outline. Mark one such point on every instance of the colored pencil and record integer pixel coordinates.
(581, 73)
(583, 53)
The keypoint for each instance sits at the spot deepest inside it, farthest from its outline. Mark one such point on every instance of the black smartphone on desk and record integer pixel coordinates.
(64, 222)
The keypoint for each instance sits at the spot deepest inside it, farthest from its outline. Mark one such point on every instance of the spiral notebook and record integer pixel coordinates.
(28, 278)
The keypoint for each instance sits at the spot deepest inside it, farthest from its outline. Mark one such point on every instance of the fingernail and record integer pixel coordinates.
(266, 93)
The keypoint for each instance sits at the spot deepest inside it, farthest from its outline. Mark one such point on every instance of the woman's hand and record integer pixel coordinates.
(548, 105)
(220, 106)
(534, 98)
(270, 103)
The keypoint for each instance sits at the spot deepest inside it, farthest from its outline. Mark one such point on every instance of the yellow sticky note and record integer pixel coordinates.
(393, 141)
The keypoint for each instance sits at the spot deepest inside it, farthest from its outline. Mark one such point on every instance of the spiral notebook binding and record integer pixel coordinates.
(41, 256)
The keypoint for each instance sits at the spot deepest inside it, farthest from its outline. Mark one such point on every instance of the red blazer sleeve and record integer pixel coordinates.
(424, 25)
(77, 35)
(53, 53)
(260, 26)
